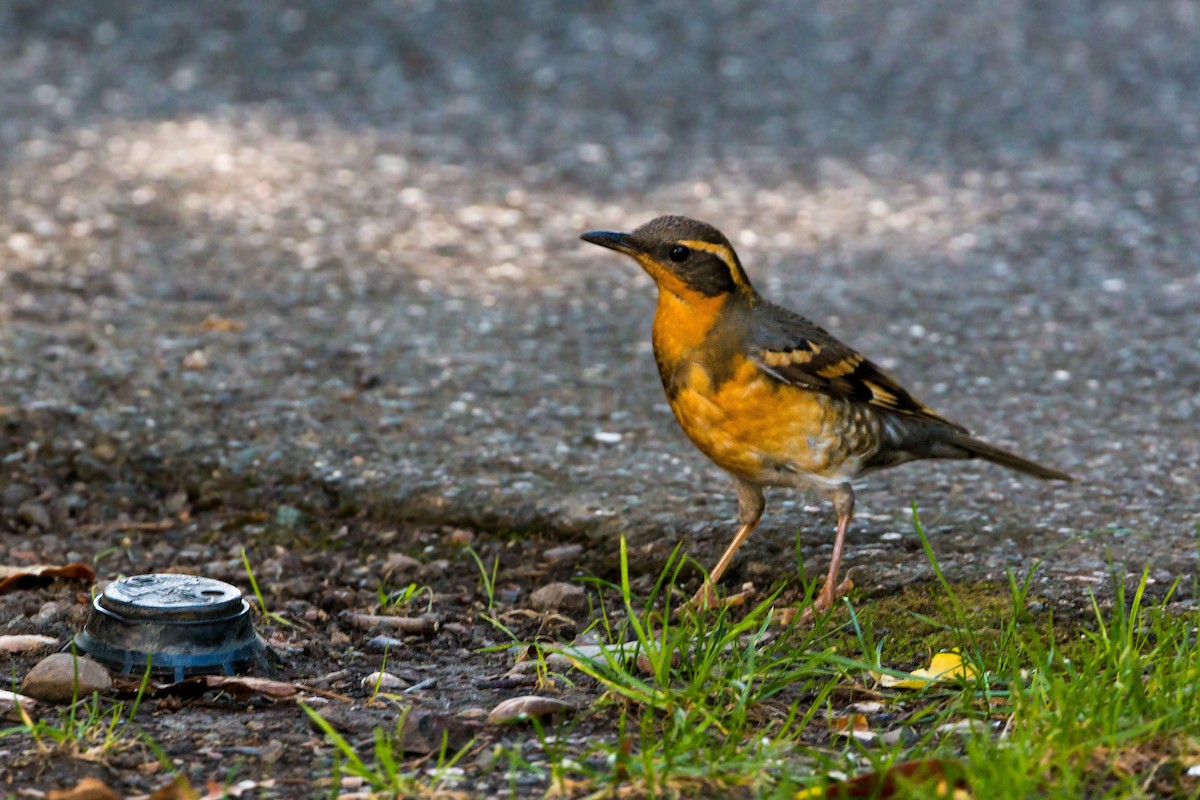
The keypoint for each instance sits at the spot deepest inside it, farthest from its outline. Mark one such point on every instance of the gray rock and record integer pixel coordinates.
(34, 514)
(176, 503)
(384, 642)
(53, 679)
(401, 566)
(16, 493)
(383, 681)
(48, 614)
(559, 596)
(564, 554)
(91, 469)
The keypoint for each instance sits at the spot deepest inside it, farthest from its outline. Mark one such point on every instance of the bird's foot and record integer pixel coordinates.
(823, 604)
(706, 598)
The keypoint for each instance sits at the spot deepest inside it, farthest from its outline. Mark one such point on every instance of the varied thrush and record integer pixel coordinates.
(771, 397)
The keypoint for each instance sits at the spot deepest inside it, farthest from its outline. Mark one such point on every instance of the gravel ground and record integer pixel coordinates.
(326, 255)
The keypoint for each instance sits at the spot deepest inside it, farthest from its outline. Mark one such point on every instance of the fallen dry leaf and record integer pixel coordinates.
(855, 726)
(10, 702)
(23, 643)
(242, 687)
(944, 668)
(895, 782)
(14, 578)
(177, 789)
(219, 790)
(86, 789)
(518, 709)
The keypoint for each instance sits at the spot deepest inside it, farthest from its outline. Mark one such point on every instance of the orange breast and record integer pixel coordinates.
(750, 423)
(746, 422)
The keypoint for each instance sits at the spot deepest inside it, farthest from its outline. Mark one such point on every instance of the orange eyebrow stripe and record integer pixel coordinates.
(720, 251)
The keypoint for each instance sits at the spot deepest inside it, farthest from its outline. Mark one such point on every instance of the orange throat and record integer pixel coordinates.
(682, 322)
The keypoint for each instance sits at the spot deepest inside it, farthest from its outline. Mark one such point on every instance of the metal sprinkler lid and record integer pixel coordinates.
(171, 597)
(179, 624)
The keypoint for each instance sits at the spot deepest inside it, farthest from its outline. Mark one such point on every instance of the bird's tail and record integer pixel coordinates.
(977, 449)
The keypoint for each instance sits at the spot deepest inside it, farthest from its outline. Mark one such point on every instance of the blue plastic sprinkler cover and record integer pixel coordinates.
(181, 624)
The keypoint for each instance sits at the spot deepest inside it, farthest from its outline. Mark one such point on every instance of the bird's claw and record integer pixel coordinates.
(706, 598)
(823, 604)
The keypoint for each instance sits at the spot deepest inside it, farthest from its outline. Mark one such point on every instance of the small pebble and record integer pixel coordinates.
(383, 681)
(48, 614)
(559, 596)
(965, 727)
(474, 712)
(34, 514)
(382, 642)
(420, 686)
(564, 554)
(401, 566)
(460, 537)
(16, 493)
(53, 678)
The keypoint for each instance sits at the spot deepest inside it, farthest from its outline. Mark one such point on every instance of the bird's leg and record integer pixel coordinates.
(831, 591)
(750, 510)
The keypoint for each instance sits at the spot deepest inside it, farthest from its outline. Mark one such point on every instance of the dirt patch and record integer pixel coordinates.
(450, 675)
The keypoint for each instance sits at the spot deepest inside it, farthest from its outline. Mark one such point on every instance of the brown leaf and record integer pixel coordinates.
(86, 789)
(895, 781)
(178, 789)
(15, 578)
(10, 702)
(518, 709)
(243, 687)
(855, 726)
(240, 687)
(223, 790)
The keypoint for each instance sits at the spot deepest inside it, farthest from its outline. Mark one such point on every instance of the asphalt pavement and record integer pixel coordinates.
(326, 254)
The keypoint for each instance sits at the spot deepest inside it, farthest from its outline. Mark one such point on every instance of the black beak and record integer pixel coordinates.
(613, 240)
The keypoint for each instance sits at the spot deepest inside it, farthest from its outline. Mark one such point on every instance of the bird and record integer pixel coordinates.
(772, 398)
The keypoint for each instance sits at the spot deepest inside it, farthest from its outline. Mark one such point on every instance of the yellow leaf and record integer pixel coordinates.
(944, 668)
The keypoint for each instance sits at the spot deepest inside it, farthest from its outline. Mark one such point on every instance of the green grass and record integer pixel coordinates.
(1103, 704)
(1106, 706)
(385, 770)
(487, 580)
(258, 595)
(90, 728)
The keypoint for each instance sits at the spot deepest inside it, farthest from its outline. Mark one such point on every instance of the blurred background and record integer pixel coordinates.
(325, 254)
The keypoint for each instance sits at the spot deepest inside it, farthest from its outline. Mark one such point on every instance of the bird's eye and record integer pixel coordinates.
(679, 253)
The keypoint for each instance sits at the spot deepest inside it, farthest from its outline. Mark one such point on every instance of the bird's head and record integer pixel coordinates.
(685, 257)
